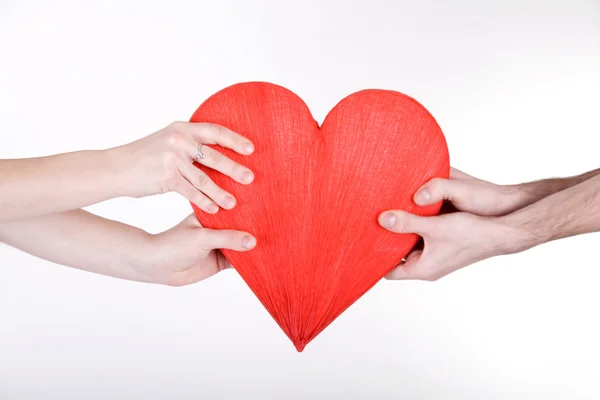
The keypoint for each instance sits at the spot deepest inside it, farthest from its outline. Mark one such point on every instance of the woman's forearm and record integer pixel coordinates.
(82, 240)
(36, 186)
(184, 254)
(158, 163)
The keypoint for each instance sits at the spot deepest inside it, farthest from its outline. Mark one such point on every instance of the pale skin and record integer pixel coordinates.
(492, 220)
(41, 200)
(159, 163)
(184, 254)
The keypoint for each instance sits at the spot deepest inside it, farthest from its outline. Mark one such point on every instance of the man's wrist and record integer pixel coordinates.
(518, 233)
(525, 194)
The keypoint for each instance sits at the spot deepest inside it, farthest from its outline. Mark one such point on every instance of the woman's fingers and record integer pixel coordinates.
(202, 183)
(190, 192)
(215, 134)
(226, 239)
(213, 159)
(217, 161)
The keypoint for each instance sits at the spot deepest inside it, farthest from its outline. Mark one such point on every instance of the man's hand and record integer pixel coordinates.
(476, 196)
(470, 194)
(454, 240)
(451, 242)
(494, 220)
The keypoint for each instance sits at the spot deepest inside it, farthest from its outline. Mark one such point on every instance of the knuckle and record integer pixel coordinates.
(175, 139)
(237, 170)
(231, 238)
(201, 180)
(199, 199)
(436, 186)
(178, 126)
(404, 224)
(215, 158)
(221, 130)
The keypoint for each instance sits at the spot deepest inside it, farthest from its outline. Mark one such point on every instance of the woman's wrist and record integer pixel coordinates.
(121, 170)
(142, 262)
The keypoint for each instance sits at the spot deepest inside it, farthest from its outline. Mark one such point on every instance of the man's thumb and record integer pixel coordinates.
(403, 222)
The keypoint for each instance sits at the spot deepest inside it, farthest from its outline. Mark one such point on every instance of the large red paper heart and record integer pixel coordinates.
(317, 193)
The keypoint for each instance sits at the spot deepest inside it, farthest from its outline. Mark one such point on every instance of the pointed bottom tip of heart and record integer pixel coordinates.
(300, 345)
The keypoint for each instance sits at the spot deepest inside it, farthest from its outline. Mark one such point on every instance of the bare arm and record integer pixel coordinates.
(570, 212)
(181, 255)
(453, 241)
(532, 192)
(476, 196)
(161, 162)
(35, 186)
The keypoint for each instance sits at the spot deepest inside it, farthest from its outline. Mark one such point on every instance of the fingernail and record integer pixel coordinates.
(389, 220)
(248, 148)
(248, 242)
(248, 177)
(229, 202)
(422, 196)
(213, 208)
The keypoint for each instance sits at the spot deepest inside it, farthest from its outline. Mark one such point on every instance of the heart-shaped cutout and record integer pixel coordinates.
(317, 194)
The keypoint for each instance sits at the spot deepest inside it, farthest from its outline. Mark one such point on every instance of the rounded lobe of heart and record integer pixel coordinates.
(317, 193)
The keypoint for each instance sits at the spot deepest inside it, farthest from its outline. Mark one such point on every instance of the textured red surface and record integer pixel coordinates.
(318, 192)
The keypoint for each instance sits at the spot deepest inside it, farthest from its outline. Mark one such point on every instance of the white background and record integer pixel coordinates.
(514, 85)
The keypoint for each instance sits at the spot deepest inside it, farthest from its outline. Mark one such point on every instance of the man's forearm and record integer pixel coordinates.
(531, 192)
(81, 240)
(36, 186)
(572, 211)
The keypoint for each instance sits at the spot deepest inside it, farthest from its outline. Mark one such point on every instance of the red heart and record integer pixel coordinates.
(317, 194)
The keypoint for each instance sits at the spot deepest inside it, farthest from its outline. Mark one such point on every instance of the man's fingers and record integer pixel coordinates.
(402, 222)
(409, 269)
(226, 239)
(222, 262)
(419, 265)
(439, 189)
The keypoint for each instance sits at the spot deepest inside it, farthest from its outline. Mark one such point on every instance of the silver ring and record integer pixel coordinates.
(200, 155)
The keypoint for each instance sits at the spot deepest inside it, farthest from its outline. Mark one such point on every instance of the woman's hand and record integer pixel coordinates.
(187, 253)
(163, 162)
(159, 163)
(184, 254)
